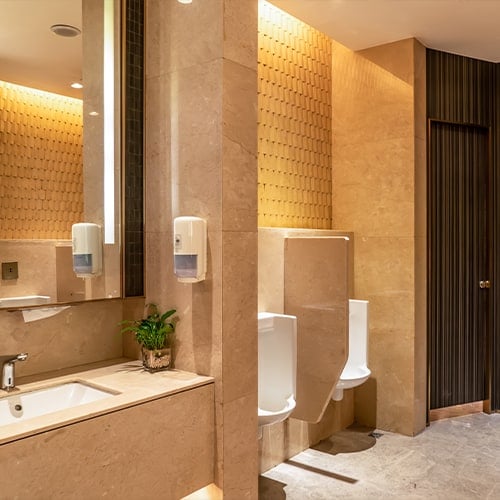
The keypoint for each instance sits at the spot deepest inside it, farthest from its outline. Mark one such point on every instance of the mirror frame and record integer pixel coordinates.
(133, 148)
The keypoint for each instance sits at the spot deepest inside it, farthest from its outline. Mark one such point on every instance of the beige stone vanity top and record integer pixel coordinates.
(126, 378)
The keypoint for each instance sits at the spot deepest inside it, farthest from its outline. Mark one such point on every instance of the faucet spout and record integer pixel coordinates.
(8, 369)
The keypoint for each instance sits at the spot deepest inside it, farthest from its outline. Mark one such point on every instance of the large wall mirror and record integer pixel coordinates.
(60, 149)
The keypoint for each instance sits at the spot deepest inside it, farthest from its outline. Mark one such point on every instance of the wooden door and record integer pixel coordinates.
(458, 260)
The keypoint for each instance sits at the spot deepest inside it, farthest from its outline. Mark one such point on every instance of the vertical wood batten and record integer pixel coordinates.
(457, 326)
(462, 91)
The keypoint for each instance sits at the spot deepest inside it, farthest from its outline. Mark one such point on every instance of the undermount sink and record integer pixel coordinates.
(23, 406)
(26, 300)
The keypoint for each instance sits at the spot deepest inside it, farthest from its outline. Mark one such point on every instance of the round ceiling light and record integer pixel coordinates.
(65, 30)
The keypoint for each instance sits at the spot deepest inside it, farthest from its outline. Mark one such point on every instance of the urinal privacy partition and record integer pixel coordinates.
(316, 290)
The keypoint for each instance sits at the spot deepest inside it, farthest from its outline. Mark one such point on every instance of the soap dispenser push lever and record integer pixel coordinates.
(8, 369)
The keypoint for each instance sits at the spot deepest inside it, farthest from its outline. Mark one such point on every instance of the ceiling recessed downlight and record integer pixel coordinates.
(185, 1)
(65, 30)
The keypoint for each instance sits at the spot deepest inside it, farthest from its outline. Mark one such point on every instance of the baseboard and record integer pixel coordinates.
(456, 411)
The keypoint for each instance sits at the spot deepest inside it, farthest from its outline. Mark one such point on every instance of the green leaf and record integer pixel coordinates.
(152, 332)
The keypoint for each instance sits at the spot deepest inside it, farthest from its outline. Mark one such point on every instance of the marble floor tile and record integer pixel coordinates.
(455, 459)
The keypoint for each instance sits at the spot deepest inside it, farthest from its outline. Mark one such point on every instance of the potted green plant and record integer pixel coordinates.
(155, 336)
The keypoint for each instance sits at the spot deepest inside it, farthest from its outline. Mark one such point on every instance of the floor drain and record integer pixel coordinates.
(375, 434)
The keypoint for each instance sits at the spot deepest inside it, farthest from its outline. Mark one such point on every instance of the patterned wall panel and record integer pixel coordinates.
(295, 122)
(41, 189)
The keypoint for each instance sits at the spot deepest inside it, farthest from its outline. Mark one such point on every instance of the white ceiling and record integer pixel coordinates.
(30, 54)
(466, 27)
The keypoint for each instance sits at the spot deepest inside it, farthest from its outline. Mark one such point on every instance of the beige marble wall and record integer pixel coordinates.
(80, 334)
(46, 268)
(201, 121)
(420, 265)
(37, 276)
(379, 193)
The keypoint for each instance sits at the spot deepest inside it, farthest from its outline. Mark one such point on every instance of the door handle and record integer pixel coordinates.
(485, 284)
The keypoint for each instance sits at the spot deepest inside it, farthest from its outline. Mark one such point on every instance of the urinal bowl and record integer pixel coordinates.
(271, 416)
(277, 367)
(350, 379)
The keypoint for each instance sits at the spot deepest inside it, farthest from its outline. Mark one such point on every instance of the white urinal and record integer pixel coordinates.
(277, 367)
(356, 371)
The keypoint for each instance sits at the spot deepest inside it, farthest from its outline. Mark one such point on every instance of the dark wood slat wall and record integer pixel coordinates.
(460, 89)
(457, 331)
(495, 257)
(462, 95)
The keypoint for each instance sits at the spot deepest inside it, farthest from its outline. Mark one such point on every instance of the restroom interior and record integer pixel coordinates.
(217, 146)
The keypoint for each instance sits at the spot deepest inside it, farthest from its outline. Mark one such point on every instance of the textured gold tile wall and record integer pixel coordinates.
(41, 187)
(295, 122)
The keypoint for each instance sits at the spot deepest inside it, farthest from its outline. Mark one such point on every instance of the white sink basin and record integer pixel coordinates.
(27, 300)
(23, 406)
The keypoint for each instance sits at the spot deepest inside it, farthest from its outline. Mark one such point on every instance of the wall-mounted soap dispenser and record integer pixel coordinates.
(190, 249)
(87, 249)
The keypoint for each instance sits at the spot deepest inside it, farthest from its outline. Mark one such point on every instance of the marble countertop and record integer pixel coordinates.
(129, 382)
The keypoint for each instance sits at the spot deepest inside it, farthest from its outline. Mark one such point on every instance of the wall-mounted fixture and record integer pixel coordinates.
(87, 249)
(190, 249)
(356, 371)
(9, 271)
(65, 30)
(277, 371)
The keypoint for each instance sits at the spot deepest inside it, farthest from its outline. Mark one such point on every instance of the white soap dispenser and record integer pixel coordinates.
(87, 249)
(190, 249)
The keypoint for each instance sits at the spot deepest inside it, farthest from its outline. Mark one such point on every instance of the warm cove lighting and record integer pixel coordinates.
(109, 124)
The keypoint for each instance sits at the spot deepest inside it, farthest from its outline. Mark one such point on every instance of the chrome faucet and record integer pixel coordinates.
(8, 370)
